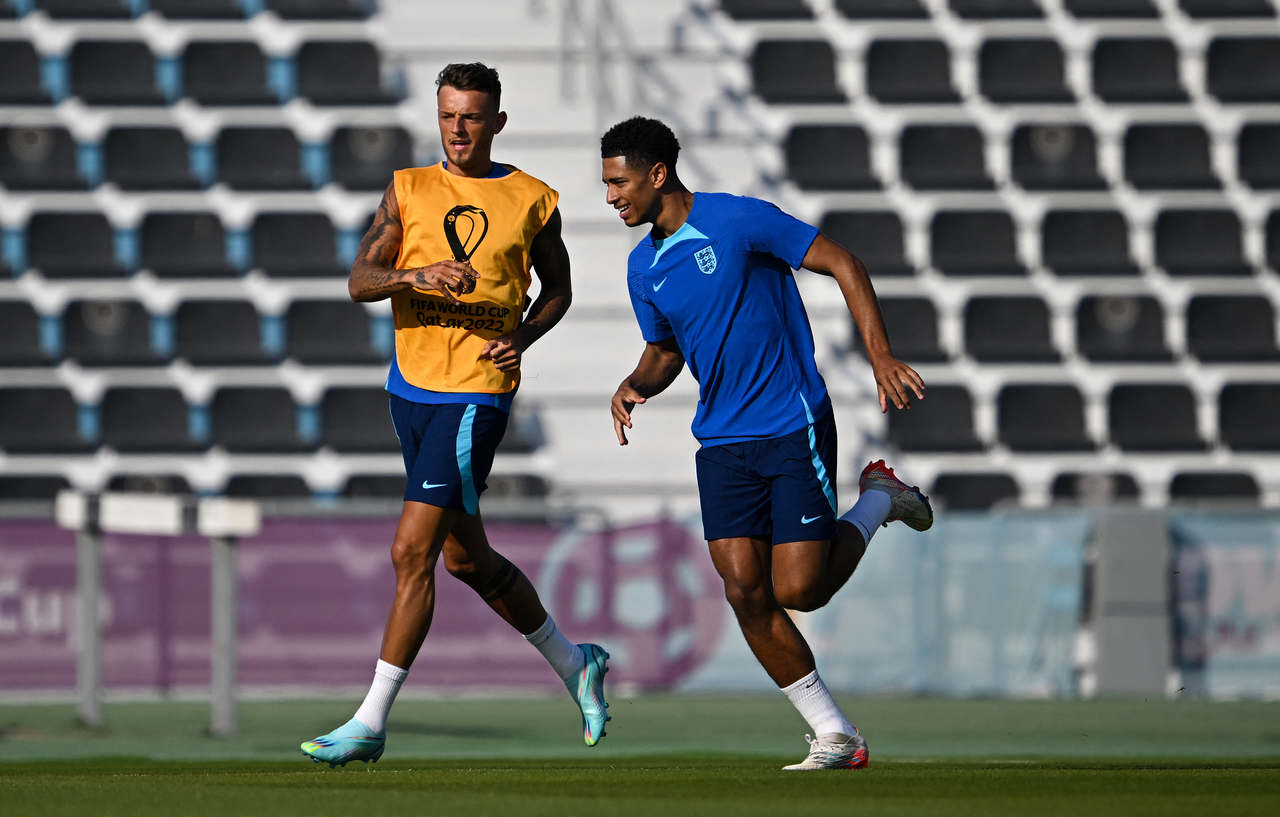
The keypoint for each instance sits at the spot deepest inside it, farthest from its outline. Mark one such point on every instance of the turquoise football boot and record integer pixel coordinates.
(351, 741)
(589, 693)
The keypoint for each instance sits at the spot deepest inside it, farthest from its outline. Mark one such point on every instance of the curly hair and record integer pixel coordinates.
(642, 142)
(471, 76)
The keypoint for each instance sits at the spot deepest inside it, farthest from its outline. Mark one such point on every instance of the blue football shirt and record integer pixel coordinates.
(723, 286)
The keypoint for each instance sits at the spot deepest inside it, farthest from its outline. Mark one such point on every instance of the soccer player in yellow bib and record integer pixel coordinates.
(452, 245)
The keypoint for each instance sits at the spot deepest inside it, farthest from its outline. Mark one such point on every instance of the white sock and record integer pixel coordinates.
(387, 679)
(814, 703)
(564, 656)
(869, 513)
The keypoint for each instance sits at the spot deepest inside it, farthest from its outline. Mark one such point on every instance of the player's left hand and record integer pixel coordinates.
(505, 352)
(893, 379)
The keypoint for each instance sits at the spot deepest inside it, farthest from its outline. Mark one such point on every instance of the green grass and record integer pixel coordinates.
(713, 755)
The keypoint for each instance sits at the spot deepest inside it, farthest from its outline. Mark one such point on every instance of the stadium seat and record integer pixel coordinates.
(1153, 417)
(767, 9)
(910, 71)
(1247, 415)
(1244, 69)
(882, 9)
(1168, 157)
(185, 245)
(1200, 242)
(146, 419)
(974, 492)
(199, 9)
(85, 9)
(943, 421)
(356, 418)
(365, 158)
(1258, 155)
(39, 419)
(20, 335)
(72, 245)
(1086, 242)
(1023, 70)
(518, 486)
(874, 236)
(944, 157)
(329, 332)
(995, 9)
(267, 486)
(32, 487)
(219, 333)
(149, 159)
(524, 430)
(108, 333)
(829, 157)
(226, 72)
(322, 9)
(1227, 8)
(1213, 487)
(260, 159)
(974, 242)
(375, 486)
(1094, 488)
(1273, 240)
(39, 158)
(20, 80)
(149, 484)
(1121, 329)
(1110, 8)
(1055, 157)
(1231, 328)
(341, 72)
(295, 244)
(114, 72)
(1042, 417)
(253, 418)
(912, 325)
(1136, 71)
(795, 72)
(1008, 329)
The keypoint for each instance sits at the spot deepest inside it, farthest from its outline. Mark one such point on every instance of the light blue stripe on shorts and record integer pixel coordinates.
(470, 499)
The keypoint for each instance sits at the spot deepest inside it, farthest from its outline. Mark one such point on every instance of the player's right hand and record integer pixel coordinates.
(624, 400)
(449, 278)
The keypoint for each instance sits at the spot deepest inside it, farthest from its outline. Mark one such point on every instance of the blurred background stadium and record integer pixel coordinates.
(1069, 208)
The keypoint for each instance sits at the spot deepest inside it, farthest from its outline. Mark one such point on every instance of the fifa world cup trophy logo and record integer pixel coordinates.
(477, 224)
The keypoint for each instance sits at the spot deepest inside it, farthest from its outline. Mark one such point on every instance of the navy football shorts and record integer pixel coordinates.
(781, 489)
(448, 450)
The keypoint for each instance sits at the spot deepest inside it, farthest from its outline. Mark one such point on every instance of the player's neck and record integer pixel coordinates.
(674, 211)
(478, 169)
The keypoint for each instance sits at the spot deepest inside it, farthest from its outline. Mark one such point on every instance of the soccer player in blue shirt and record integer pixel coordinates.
(712, 286)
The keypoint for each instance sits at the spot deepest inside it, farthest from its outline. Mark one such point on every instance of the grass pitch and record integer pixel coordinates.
(703, 755)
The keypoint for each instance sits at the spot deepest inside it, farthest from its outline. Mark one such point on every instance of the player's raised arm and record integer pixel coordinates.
(659, 366)
(893, 377)
(374, 275)
(551, 265)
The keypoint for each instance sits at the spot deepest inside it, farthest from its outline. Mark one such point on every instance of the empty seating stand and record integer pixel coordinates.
(882, 9)
(1137, 70)
(149, 159)
(85, 9)
(108, 333)
(329, 332)
(767, 9)
(1042, 417)
(996, 9)
(295, 244)
(185, 245)
(20, 335)
(1244, 69)
(32, 487)
(219, 332)
(944, 157)
(974, 242)
(20, 80)
(1086, 242)
(1258, 155)
(1231, 328)
(322, 9)
(1111, 9)
(1200, 242)
(146, 419)
(39, 419)
(199, 9)
(380, 486)
(114, 72)
(225, 72)
(41, 158)
(1055, 157)
(795, 72)
(1023, 70)
(364, 158)
(975, 491)
(357, 419)
(1213, 488)
(1094, 488)
(260, 159)
(943, 421)
(1168, 157)
(250, 418)
(875, 237)
(910, 71)
(342, 72)
(149, 484)
(912, 325)
(72, 245)
(829, 157)
(267, 486)
(1153, 417)
(1008, 329)
(1121, 329)
(1247, 416)
(1227, 8)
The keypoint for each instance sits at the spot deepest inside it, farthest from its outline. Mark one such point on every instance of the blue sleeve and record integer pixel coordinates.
(653, 324)
(772, 231)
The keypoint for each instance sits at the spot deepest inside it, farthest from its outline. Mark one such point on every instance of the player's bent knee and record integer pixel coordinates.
(802, 600)
(747, 600)
(411, 557)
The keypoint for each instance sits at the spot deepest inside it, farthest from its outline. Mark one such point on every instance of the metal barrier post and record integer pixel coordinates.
(88, 626)
(222, 658)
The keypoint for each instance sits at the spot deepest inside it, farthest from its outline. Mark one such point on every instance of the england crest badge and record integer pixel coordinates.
(706, 258)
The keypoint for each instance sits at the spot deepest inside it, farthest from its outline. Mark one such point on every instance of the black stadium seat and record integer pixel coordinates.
(114, 72)
(1094, 488)
(37, 487)
(226, 72)
(146, 419)
(149, 483)
(910, 71)
(1247, 416)
(1023, 70)
(219, 333)
(1055, 157)
(944, 157)
(1231, 328)
(829, 157)
(795, 71)
(912, 325)
(250, 418)
(767, 9)
(185, 245)
(267, 486)
(1244, 69)
(1121, 329)
(975, 242)
(1227, 8)
(379, 486)
(1168, 157)
(1153, 417)
(1008, 329)
(261, 159)
(108, 333)
(36, 419)
(356, 418)
(322, 9)
(1258, 155)
(20, 335)
(85, 9)
(72, 245)
(295, 244)
(20, 80)
(882, 9)
(1200, 242)
(943, 421)
(329, 332)
(364, 158)
(995, 9)
(199, 9)
(1213, 487)
(1110, 8)
(1086, 242)
(1137, 70)
(874, 236)
(974, 492)
(1042, 417)
(41, 158)
(341, 72)
(1273, 240)
(149, 159)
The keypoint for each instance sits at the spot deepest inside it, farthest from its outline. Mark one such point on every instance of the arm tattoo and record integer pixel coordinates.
(373, 275)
